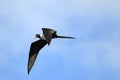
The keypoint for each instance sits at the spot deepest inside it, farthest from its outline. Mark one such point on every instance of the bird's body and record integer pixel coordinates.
(45, 38)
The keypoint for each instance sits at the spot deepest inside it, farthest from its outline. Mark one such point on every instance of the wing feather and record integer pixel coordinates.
(34, 49)
(48, 34)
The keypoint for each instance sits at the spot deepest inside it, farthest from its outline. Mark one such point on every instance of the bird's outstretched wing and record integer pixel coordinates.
(34, 49)
(48, 34)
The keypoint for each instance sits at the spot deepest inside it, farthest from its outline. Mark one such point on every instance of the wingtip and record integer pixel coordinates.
(44, 28)
(28, 72)
(73, 38)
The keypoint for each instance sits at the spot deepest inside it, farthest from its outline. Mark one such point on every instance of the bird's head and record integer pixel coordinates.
(37, 36)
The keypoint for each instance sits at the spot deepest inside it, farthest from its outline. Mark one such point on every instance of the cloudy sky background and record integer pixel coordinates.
(93, 55)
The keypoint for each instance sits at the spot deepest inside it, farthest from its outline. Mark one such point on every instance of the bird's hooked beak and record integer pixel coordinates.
(36, 36)
(33, 37)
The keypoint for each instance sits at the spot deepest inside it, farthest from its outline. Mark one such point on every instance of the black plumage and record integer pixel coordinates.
(48, 35)
(34, 49)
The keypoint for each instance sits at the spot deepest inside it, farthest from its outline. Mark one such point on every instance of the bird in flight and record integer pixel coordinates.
(45, 38)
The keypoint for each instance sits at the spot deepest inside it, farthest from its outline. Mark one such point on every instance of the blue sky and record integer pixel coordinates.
(94, 55)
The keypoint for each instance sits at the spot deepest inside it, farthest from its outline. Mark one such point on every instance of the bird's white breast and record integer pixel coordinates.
(42, 36)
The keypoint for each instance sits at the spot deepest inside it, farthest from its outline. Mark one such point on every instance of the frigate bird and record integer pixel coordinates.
(45, 38)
